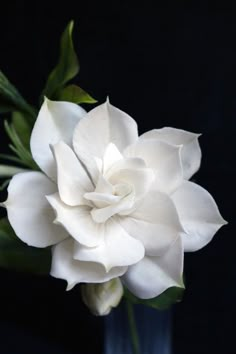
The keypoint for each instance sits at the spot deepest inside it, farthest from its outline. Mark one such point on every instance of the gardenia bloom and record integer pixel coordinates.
(111, 203)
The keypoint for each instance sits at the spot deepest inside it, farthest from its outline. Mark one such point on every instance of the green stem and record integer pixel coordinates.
(133, 328)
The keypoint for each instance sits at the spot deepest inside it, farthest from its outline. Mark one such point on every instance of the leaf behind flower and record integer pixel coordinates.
(162, 302)
(67, 67)
(75, 94)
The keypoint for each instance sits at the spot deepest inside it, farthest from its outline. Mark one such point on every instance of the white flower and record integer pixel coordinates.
(101, 298)
(113, 204)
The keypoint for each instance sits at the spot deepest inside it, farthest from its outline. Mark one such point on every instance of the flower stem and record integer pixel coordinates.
(133, 328)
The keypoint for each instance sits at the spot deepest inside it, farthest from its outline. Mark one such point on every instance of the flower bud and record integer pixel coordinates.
(101, 298)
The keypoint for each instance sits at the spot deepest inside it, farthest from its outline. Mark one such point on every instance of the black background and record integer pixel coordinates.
(166, 66)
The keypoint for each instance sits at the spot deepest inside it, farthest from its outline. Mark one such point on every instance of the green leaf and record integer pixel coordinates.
(16, 255)
(11, 158)
(11, 100)
(4, 184)
(67, 67)
(161, 302)
(22, 128)
(8, 171)
(75, 94)
(18, 147)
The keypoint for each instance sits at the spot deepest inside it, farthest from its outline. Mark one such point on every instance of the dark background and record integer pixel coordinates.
(172, 66)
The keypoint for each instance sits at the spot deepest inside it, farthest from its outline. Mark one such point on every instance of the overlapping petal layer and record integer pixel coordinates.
(114, 205)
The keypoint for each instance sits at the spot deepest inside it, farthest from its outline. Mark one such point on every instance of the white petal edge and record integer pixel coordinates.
(72, 179)
(190, 153)
(64, 266)
(199, 215)
(163, 158)
(153, 275)
(56, 121)
(118, 248)
(155, 223)
(77, 221)
(29, 212)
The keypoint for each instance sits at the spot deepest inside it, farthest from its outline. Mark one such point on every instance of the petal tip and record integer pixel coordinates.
(70, 286)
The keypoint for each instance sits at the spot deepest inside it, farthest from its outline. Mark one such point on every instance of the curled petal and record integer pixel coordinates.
(190, 153)
(120, 206)
(155, 223)
(118, 248)
(139, 179)
(77, 221)
(29, 212)
(163, 158)
(72, 179)
(198, 214)
(64, 266)
(56, 121)
(153, 275)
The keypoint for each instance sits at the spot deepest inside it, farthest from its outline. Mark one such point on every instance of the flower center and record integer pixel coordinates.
(117, 199)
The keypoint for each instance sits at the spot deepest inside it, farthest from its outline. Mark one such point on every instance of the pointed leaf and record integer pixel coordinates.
(75, 94)
(22, 128)
(23, 153)
(67, 67)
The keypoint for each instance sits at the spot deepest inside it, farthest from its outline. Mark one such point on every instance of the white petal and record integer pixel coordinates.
(118, 248)
(153, 275)
(139, 179)
(198, 214)
(73, 181)
(133, 163)
(77, 221)
(103, 194)
(29, 212)
(64, 266)
(190, 153)
(56, 121)
(163, 158)
(111, 156)
(155, 223)
(103, 125)
(124, 205)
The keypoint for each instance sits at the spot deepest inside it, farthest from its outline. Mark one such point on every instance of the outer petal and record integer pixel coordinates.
(74, 271)
(190, 153)
(153, 275)
(77, 221)
(118, 248)
(103, 125)
(155, 223)
(73, 181)
(198, 214)
(56, 121)
(163, 158)
(29, 212)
